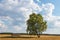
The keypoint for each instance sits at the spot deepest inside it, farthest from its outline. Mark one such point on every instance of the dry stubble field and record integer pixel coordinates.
(30, 37)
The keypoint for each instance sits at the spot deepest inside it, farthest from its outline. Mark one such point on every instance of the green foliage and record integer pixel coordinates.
(36, 24)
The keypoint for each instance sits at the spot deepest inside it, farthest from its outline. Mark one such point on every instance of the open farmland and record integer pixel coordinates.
(28, 37)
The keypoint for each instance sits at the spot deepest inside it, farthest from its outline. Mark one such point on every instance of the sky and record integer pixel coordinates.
(15, 13)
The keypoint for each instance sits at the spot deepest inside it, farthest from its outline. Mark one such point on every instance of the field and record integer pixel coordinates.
(28, 37)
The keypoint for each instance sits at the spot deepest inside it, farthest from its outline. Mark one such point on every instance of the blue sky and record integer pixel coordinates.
(14, 13)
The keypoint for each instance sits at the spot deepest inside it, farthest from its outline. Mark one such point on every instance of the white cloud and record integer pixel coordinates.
(38, 0)
(17, 28)
(13, 1)
(52, 31)
(23, 9)
(57, 23)
(18, 12)
(19, 19)
(48, 10)
(5, 18)
(3, 27)
(49, 7)
(24, 6)
(51, 19)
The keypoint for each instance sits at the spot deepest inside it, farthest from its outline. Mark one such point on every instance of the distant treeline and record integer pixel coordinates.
(31, 34)
(15, 33)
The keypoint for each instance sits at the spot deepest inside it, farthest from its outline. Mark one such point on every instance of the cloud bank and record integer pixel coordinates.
(14, 13)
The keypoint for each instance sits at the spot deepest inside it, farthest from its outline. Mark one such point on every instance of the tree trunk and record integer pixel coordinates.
(38, 35)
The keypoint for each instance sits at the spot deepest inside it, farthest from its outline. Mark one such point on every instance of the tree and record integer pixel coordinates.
(36, 24)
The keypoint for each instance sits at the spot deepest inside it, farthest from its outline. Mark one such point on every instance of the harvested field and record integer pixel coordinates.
(29, 37)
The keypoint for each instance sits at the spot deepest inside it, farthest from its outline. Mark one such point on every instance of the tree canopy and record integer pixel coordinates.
(36, 24)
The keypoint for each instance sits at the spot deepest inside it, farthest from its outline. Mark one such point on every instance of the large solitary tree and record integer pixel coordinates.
(36, 24)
